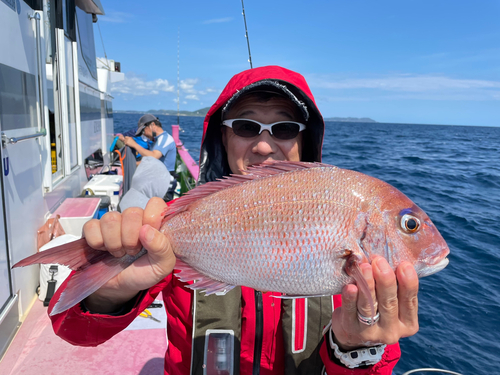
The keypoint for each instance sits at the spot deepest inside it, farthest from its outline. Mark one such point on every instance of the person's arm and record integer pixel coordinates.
(129, 141)
(126, 293)
(81, 326)
(395, 297)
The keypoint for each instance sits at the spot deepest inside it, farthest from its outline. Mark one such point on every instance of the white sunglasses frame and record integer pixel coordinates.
(268, 127)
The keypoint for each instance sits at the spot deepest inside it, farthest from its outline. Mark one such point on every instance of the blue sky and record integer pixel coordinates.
(426, 62)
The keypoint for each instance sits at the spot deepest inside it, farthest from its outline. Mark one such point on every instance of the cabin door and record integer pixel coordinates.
(62, 79)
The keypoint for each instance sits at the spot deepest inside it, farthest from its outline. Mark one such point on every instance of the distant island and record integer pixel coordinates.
(204, 111)
(166, 112)
(349, 119)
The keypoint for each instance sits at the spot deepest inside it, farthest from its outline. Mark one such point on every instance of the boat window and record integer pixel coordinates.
(48, 31)
(86, 43)
(17, 99)
(109, 108)
(70, 92)
(34, 4)
(90, 107)
(66, 17)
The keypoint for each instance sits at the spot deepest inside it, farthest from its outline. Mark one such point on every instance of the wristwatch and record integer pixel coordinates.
(359, 357)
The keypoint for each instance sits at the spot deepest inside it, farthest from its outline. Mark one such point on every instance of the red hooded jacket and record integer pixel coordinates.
(287, 332)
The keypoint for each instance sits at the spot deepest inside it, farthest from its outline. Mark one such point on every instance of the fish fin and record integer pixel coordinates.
(85, 282)
(292, 296)
(355, 272)
(76, 255)
(202, 283)
(265, 169)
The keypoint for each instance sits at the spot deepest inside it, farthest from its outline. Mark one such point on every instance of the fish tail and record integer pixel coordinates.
(75, 255)
(85, 282)
(93, 269)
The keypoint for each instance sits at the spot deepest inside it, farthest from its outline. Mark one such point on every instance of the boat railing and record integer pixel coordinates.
(185, 167)
(431, 370)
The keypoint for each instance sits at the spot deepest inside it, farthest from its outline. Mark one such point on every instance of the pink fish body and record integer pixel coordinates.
(301, 229)
(298, 228)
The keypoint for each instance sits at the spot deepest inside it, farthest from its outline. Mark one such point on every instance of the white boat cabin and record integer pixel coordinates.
(55, 112)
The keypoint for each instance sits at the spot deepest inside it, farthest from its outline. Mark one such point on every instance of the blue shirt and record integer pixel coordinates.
(166, 145)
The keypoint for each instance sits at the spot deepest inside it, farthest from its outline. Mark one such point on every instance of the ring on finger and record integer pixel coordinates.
(369, 321)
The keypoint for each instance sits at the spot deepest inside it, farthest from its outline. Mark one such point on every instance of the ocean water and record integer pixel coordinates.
(453, 174)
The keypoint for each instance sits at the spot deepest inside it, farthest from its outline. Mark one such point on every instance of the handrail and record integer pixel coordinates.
(13, 140)
(41, 86)
(41, 89)
(431, 370)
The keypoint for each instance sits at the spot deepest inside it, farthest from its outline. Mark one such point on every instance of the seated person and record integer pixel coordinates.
(150, 179)
(163, 148)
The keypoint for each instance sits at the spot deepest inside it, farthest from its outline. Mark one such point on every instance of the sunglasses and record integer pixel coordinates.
(250, 128)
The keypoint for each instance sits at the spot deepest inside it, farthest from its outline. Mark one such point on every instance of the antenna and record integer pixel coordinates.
(246, 35)
(178, 65)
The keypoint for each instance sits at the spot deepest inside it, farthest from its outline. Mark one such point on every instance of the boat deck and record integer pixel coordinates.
(37, 350)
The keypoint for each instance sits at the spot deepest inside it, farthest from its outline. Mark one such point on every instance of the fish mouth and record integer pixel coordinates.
(430, 270)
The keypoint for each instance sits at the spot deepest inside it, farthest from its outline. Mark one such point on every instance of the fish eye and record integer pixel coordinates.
(410, 223)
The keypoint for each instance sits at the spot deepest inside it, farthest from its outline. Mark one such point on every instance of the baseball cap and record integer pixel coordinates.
(143, 121)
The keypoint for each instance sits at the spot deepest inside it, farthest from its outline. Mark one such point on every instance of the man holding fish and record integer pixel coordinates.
(264, 114)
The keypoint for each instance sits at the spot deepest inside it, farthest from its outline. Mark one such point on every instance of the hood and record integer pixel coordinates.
(213, 158)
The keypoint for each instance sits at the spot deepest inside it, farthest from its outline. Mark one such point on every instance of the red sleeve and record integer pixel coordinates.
(86, 329)
(384, 367)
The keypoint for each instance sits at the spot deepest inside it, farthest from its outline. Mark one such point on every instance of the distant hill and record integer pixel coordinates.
(349, 119)
(171, 112)
(203, 112)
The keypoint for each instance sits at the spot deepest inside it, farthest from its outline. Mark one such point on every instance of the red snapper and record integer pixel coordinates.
(301, 229)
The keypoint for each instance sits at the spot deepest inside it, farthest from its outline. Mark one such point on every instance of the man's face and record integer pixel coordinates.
(148, 132)
(244, 152)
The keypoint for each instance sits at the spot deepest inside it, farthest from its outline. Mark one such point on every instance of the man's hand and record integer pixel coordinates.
(395, 297)
(130, 141)
(127, 233)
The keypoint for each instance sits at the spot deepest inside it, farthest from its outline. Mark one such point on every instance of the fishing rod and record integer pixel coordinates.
(246, 35)
(178, 68)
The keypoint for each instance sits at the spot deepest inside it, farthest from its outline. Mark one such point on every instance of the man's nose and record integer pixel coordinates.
(264, 144)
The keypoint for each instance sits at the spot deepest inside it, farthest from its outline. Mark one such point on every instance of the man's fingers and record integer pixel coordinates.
(153, 212)
(407, 296)
(159, 250)
(364, 305)
(111, 224)
(131, 226)
(92, 233)
(387, 291)
(349, 305)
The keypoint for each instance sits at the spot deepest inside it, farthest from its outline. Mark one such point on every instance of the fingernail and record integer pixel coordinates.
(383, 266)
(407, 271)
(150, 234)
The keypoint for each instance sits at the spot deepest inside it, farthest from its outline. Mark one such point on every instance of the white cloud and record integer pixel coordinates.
(138, 86)
(431, 87)
(192, 97)
(218, 20)
(187, 85)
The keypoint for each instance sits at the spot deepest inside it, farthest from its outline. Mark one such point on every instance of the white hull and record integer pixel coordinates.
(40, 172)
